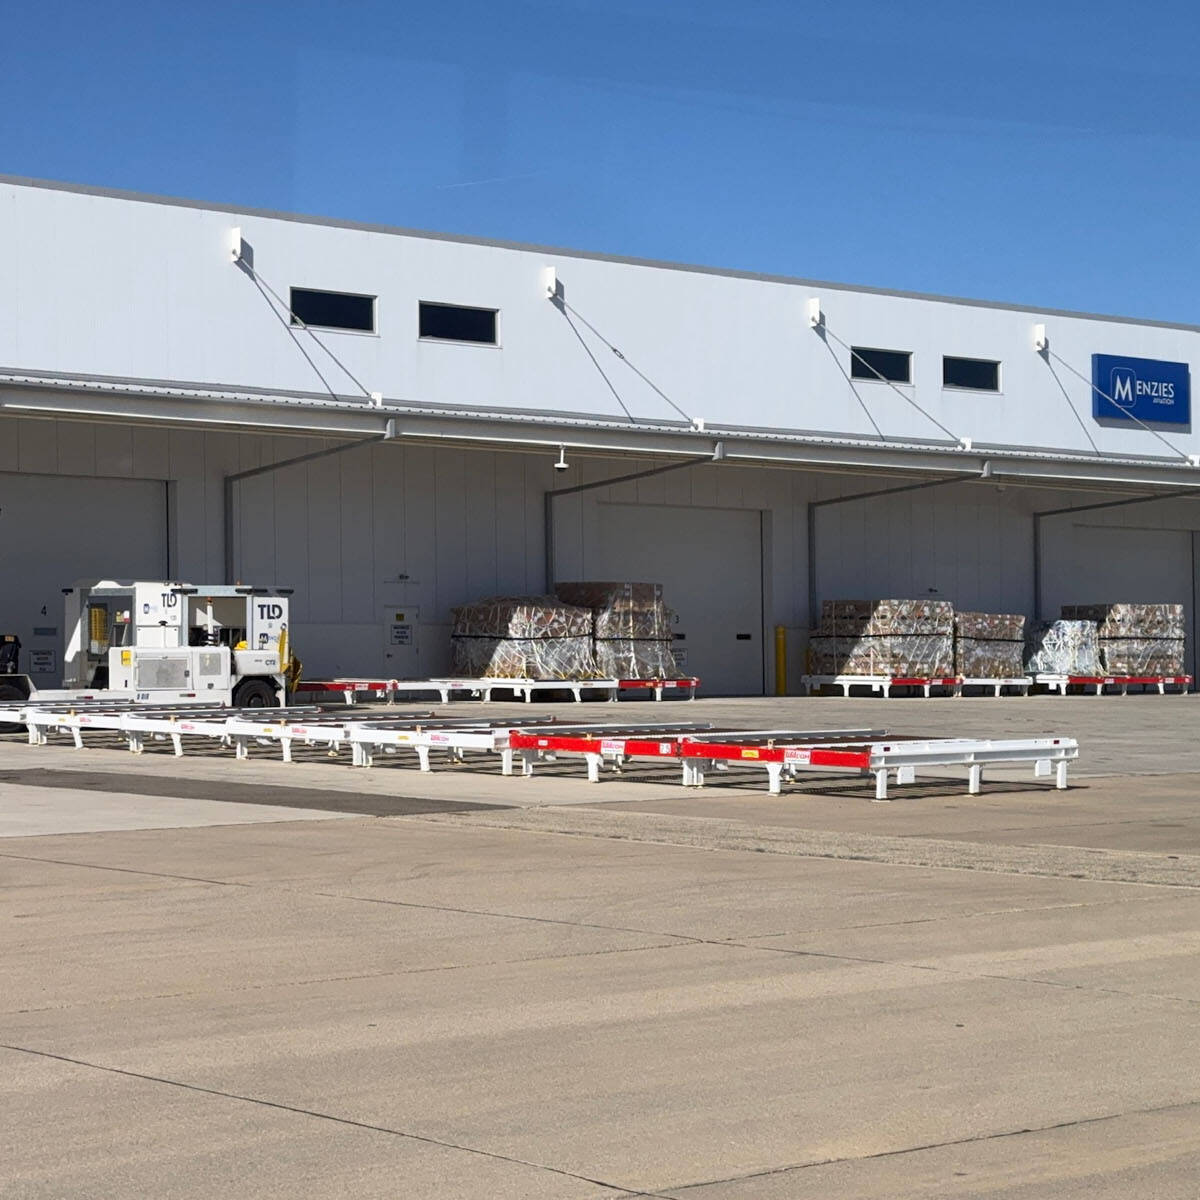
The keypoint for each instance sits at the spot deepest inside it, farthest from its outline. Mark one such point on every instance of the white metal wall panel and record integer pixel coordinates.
(57, 529)
(729, 349)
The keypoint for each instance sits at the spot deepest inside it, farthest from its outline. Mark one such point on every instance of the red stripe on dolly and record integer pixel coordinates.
(643, 747)
(737, 752)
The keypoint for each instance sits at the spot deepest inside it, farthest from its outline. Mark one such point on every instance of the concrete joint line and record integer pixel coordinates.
(674, 1192)
(707, 833)
(322, 1116)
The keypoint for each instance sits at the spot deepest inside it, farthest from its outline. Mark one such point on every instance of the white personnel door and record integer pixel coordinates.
(56, 529)
(709, 561)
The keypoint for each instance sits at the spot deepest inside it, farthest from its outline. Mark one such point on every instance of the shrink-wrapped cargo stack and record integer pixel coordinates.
(523, 637)
(631, 625)
(898, 639)
(989, 645)
(1135, 639)
(1067, 647)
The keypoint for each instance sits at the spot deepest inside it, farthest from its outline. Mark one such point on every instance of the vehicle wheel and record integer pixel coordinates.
(254, 693)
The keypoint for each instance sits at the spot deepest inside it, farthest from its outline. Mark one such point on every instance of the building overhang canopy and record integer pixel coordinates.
(34, 394)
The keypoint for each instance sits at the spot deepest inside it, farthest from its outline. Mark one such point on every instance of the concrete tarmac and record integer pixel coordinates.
(605, 990)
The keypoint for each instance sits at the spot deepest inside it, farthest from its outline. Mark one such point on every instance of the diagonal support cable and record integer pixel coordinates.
(292, 322)
(291, 333)
(642, 376)
(596, 364)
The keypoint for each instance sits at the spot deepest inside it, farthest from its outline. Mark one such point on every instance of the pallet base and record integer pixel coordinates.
(1160, 683)
(879, 684)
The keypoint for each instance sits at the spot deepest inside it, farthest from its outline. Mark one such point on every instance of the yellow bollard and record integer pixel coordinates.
(780, 661)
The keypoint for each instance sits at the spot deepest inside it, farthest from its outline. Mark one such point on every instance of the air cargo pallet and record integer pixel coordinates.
(483, 687)
(1060, 683)
(877, 683)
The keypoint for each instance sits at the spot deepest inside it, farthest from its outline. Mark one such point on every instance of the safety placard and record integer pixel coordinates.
(42, 662)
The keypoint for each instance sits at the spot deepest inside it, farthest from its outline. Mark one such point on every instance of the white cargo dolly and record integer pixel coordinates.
(789, 754)
(286, 727)
(387, 689)
(455, 736)
(115, 715)
(614, 687)
(1060, 683)
(484, 686)
(877, 683)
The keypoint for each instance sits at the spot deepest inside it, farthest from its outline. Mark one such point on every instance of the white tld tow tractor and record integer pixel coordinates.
(167, 643)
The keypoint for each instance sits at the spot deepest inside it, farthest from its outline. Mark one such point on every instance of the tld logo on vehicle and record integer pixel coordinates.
(1140, 389)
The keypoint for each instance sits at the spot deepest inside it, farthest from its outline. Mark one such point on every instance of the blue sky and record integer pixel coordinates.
(1036, 153)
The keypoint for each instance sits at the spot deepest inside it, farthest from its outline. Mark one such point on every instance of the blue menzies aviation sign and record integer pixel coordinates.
(1147, 389)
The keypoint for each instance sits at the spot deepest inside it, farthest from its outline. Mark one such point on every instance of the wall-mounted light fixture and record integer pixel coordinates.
(562, 464)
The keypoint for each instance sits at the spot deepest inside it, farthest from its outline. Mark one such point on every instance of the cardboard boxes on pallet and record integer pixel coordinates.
(522, 637)
(1135, 639)
(989, 645)
(901, 639)
(631, 626)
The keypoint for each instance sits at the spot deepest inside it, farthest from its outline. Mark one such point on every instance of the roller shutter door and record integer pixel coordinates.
(57, 529)
(709, 561)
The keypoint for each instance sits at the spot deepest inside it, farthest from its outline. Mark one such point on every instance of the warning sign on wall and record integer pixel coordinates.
(42, 662)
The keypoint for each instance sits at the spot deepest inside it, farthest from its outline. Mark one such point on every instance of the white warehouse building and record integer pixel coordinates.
(376, 417)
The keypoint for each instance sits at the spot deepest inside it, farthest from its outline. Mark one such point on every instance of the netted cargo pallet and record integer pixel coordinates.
(632, 627)
(515, 637)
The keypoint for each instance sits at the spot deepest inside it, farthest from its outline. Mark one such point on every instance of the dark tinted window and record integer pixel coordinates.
(980, 374)
(333, 310)
(895, 365)
(453, 323)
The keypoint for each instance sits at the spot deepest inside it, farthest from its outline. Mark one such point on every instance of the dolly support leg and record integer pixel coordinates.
(1060, 774)
(975, 777)
(423, 757)
(881, 782)
(506, 762)
(593, 767)
(774, 776)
